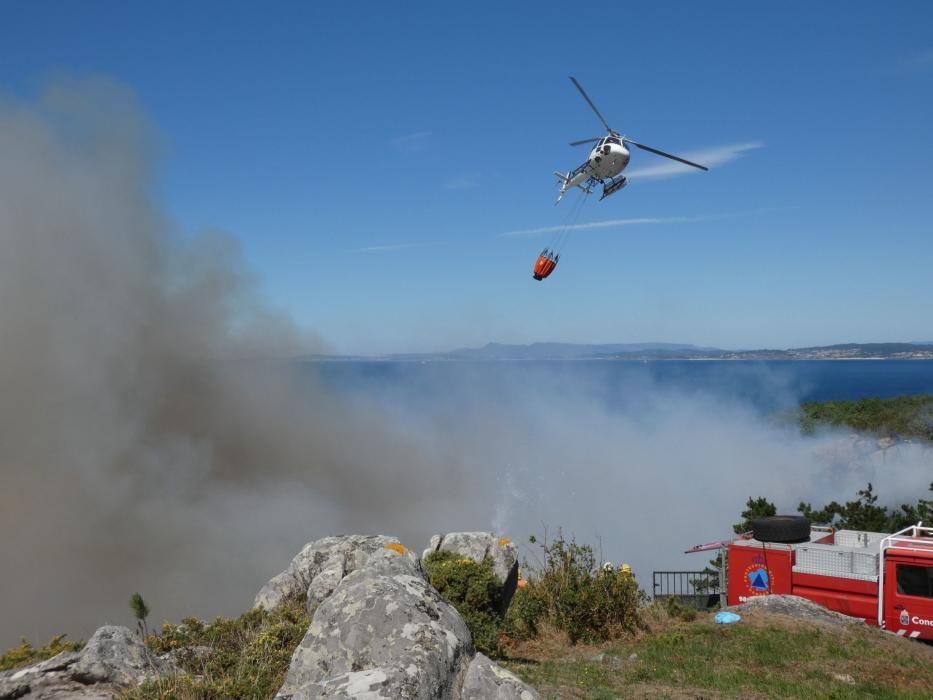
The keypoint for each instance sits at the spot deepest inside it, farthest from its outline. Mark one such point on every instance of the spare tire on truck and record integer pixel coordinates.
(787, 529)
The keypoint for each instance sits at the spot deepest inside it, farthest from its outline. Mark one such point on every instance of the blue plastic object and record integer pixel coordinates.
(727, 618)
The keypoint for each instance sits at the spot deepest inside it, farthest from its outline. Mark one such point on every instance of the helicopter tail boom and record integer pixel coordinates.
(577, 177)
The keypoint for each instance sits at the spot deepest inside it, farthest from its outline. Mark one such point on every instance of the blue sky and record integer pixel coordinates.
(370, 157)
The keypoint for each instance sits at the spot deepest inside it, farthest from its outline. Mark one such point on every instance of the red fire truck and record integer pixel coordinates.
(887, 580)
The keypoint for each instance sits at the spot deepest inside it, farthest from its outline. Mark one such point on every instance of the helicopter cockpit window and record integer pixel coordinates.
(614, 140)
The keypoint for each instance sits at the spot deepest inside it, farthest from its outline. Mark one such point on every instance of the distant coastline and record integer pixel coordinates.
(645, 352)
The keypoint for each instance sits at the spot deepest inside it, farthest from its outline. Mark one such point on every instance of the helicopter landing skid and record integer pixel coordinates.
(613, 184)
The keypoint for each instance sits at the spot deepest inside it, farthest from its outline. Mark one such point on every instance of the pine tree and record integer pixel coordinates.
(141, 611)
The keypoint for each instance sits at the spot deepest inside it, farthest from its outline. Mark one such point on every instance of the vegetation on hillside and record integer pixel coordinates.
(902, 416)
(245, 658)
(26, 654)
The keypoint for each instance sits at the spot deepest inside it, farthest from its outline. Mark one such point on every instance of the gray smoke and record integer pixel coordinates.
(148, 441)
(152, 438)
(643, 470)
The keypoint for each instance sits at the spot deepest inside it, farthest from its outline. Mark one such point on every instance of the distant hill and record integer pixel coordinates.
(844, 351)
(656, 351)
(682, 351)
(571, 351)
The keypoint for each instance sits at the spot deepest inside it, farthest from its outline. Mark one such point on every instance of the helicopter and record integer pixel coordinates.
(607, 159)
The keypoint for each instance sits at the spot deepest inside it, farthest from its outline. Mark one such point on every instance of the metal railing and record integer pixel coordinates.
(696, 589)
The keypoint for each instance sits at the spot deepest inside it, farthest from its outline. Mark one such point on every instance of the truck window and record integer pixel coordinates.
(915, 580)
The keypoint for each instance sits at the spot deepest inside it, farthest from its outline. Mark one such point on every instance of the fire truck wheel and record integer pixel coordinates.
(781, 528)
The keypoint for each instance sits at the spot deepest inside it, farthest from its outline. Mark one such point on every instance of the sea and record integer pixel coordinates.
(767, 386)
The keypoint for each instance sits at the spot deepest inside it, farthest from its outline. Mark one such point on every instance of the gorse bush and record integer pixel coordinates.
(244, 658)
(577, 596)
(26, 654)
(474, 590)
(528, 611)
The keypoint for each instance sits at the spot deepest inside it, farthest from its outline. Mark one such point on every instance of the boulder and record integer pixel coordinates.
(486, 680)
(379, 629)
(479, 545)
(113, 659)
(116, 655)
(383, 633)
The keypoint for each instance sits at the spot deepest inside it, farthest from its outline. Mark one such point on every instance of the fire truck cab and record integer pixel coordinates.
(887, 580)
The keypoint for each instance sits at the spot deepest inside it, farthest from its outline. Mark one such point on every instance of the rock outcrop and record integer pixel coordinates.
(479, 545)
(379, 629)
(319, 567)
(112, 659)
(795, 606)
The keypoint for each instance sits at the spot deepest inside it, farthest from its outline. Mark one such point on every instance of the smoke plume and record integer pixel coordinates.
(148, 438)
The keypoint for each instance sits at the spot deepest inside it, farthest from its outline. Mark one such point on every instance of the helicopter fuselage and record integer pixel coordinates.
(608, 158)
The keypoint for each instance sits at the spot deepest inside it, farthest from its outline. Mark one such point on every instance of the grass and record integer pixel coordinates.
(26, 654)
(245, 658)
(764, 656)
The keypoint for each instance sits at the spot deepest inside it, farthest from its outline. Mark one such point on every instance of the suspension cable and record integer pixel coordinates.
(562, 234)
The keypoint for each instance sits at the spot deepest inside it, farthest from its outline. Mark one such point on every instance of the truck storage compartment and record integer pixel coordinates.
(849, 596)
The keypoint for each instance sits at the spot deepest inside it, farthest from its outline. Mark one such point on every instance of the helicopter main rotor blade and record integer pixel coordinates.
(583, 141)
(666, 155)
(590, 103)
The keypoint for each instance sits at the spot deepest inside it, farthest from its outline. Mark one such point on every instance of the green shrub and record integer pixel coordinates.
(474, 590)
(677, 610)
(526, 613)
(26, 654)
(587, 602)
(245, 658)
(570, 593)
